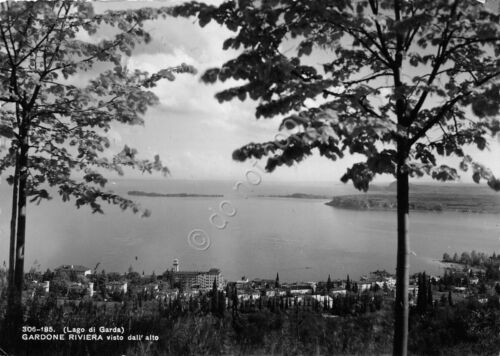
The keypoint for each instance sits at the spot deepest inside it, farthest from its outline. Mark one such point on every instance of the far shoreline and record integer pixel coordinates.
(421, 202)
(139, 193)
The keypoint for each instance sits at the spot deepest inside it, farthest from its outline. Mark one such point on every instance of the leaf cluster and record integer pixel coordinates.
(418, 77)
(55, 117)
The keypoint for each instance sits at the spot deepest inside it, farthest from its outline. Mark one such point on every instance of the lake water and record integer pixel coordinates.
(301, 239)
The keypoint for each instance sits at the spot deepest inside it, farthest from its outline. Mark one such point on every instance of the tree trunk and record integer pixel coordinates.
(8, 333)
(13, 225)
(21, 221)
(400, 347)
(14, 315)
(403, 263)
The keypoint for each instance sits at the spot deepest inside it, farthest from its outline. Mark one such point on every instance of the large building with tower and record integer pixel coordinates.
(196, 279)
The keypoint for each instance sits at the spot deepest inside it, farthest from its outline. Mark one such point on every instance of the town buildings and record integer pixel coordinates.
(195, 279)
(78, 269)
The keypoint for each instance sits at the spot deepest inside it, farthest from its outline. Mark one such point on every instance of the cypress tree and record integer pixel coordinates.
(348, 284)
(429, 292)
(235, 303)
(355, 288)
(328, 284)
(422, 293)
(425, 291)
(221, 304)
(214, 287)
(420, 290)
(213, 301)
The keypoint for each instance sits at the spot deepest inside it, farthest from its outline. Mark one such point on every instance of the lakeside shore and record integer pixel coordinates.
(173, 195)
(466, 203)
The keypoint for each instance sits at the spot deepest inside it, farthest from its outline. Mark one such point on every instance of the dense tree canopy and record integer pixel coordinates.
(61, 91)
(400, 82)
(445, 88)
(62, 119)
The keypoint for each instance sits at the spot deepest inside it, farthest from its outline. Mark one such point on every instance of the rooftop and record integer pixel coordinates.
(76, 268)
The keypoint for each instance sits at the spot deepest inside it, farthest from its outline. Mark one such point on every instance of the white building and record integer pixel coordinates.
(78, 269)
(200, 279)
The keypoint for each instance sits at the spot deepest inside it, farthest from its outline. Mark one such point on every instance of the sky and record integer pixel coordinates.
(194, 134)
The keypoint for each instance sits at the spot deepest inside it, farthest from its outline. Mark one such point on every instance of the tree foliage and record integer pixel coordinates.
(432, 65)
(62, 90)
(59, 117)
(399, 82)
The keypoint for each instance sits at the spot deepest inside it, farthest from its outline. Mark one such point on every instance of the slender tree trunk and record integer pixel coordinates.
(8, 334)
(403, 263)
(13, 225)
(21, 220)
(400, 347)
(14, 316)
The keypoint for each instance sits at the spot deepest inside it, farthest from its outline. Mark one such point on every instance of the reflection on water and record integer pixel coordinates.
(301, 239)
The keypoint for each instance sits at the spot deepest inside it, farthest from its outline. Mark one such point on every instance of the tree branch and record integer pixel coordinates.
(90, 58)
(440, 59)
(447, 106)
(440, 115)
(469, 41)
(365, 45)
(367, 79)
(44, 38)
(380, 35)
